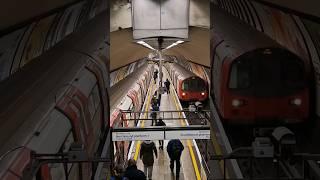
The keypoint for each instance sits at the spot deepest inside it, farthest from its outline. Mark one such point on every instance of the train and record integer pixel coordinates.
(58, 99)
(128, 95)
(189, 87)
(255, 79)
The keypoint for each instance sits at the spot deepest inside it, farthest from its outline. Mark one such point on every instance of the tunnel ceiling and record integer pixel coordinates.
(197, 49)
(17, 11)
(124, 51)
(310, 7)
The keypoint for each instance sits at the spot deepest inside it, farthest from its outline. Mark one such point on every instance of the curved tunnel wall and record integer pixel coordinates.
(198, 69)
(298, 34)
(23, 45)
(122, 72)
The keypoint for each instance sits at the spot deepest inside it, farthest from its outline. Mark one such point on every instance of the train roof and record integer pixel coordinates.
(182, 71)
(121, 89)
(238, 36)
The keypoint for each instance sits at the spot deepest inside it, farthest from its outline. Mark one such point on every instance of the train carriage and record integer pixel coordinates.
(189, 87)
(255, 79)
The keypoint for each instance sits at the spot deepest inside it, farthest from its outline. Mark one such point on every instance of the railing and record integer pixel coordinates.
(128, 115)
(305, 166)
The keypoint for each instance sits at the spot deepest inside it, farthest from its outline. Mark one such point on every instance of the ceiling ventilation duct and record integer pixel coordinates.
(165, 18)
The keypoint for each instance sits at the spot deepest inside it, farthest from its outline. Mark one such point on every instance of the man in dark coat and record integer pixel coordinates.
(146, 154)
(160, 123)
(167, 84)
(174, 149)
(132, 172)
(155, 76)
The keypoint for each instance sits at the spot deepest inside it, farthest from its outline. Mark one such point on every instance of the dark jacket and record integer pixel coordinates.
(174, 149)
(167, 84)
(133, 173)
(146, 152)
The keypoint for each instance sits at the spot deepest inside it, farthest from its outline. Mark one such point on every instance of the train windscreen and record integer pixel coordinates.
(271, 73)
(194, 84)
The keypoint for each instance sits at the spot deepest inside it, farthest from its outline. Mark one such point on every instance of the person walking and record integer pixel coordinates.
(146, 154)
(158, 94)
(167, 84)
(132, 172)
(155, 76)
(154, 103)
(160, 123)
(174, 149)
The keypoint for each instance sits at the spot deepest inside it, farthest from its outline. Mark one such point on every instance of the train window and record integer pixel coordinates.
(293, 73)
(240, 75)
(185, 86)
(193, 84)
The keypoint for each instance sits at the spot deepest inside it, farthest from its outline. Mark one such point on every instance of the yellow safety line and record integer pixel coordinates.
(194, 162)
(142, 122)
(219, 152)
(215, 144)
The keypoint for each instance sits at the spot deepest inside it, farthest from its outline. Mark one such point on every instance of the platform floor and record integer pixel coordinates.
(161, 170)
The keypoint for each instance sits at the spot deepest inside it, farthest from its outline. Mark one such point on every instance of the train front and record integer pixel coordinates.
(267, 85)
(193, 89)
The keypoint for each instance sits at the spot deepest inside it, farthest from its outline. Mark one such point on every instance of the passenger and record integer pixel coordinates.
(155, 106)
(160, 123)
(155, 76)
(117, 173)
(146, 154)
(132, 172)
(154, 101)
(174, 149)
(167, 84)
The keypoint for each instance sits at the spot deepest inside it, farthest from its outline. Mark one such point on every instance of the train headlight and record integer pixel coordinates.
(203, 93)
(183, 94)
(237, 103)
(296, 101)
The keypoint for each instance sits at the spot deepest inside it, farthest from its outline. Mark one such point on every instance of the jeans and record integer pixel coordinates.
(148, 171)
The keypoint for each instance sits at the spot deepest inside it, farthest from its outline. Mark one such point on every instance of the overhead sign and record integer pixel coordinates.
(161, 133)
(191, 134)
(137, 135)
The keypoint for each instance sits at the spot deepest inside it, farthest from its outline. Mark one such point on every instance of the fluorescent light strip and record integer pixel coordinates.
(145, 45)
(174, 44)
